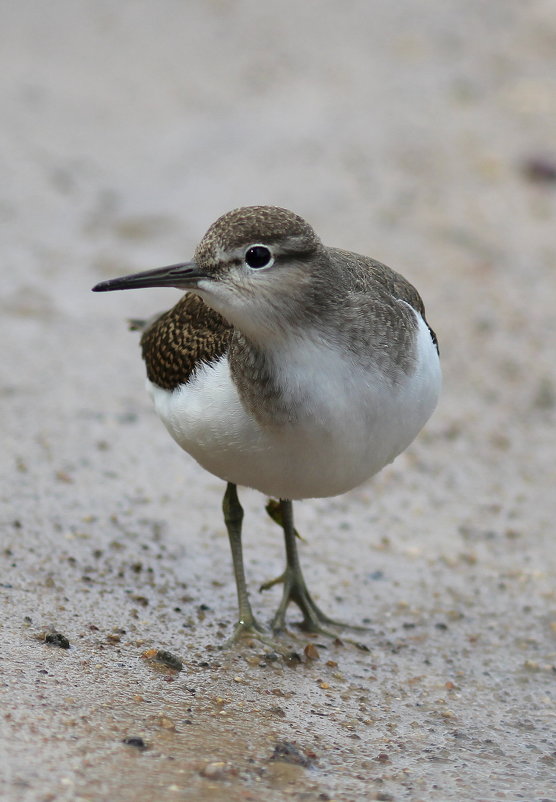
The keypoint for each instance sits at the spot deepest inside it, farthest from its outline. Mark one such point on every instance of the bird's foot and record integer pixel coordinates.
(248, 627)
(246, 633)
(295, 590)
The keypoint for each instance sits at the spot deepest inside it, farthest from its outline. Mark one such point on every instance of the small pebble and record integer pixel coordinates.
(214, 771)
(311, 652)
(288, 752)
(57, 639)
(138, 743)
(162, 656)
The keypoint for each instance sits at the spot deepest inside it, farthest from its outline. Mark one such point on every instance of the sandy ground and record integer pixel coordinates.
(399, 130)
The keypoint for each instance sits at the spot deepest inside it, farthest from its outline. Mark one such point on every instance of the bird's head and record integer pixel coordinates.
(256, 266)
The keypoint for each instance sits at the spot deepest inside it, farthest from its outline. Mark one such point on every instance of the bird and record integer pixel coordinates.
(290, 367)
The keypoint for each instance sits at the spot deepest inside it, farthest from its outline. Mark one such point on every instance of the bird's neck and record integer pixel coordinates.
(273, 377)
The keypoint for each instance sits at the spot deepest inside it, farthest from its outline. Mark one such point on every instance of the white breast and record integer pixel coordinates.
(351, 421)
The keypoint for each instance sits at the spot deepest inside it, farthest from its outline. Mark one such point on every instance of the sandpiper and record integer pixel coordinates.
(289, 367)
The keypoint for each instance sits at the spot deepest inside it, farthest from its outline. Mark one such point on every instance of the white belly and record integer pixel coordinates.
(351, 424)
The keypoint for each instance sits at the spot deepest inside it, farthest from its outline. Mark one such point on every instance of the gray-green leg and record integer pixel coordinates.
(233, 517)
(295, 589)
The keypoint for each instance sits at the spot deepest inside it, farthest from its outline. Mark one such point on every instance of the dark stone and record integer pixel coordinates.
(289, 753)
(57, 639)
(135, 741)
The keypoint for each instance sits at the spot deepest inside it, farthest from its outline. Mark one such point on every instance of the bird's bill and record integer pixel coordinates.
(182, 276)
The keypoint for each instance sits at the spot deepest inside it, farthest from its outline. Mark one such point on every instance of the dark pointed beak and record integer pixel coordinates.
(183, 276)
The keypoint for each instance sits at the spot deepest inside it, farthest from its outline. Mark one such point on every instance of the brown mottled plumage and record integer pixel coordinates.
(181, 339)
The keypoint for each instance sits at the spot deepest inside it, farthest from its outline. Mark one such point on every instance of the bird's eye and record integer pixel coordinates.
(258, 256)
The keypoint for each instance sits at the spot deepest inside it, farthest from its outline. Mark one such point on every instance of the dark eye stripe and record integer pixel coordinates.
(297, 256)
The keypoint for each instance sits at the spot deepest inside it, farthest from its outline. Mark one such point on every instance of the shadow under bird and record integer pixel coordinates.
(289, 367)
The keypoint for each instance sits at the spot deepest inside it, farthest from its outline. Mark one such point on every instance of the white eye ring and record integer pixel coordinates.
(258, 256)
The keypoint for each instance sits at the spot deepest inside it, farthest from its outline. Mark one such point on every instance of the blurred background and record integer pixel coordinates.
(136, 126)
(420, 133)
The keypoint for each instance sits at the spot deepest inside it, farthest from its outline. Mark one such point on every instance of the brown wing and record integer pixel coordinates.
(179, 340)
